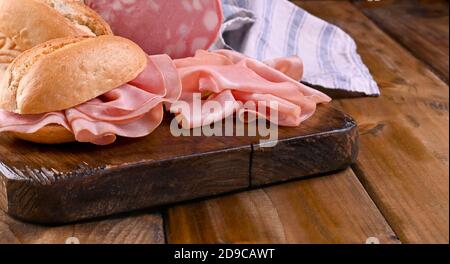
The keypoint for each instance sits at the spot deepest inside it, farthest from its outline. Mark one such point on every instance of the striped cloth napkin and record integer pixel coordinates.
(266, 29)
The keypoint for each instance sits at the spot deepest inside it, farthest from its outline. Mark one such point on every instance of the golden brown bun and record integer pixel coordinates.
(63, 73)
(32, 22)
(8, 52)
(51, 134)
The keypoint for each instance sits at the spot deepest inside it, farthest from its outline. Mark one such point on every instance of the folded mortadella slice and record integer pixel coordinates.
(290, 66)
(30, 123)
(131, 110)
(228, 75)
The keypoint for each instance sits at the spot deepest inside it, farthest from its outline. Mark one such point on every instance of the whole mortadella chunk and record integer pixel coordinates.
(175, 27)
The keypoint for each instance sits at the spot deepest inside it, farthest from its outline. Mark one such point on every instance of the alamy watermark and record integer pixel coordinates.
(213, 118)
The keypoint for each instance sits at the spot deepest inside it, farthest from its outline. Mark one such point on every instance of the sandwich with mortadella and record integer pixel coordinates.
(86, 89)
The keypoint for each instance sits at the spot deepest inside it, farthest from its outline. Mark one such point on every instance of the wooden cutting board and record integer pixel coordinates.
(65, 183)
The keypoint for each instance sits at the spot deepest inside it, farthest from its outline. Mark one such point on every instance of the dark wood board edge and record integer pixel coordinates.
(332, 151)
(3, 194)
(104, 194)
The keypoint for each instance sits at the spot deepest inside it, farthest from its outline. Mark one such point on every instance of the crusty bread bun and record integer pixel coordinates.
(32, 22)
(51, 134)
(63, 73)
(8, 52)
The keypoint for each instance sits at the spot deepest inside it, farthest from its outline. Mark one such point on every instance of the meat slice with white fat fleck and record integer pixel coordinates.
(176, 27)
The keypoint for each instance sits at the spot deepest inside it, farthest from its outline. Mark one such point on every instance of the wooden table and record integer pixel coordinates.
(398, 190)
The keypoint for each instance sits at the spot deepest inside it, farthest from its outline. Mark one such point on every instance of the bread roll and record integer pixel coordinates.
(63, 73)
(27, 23)
(32, 22)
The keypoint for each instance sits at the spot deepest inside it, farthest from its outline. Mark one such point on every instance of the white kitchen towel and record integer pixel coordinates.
(266, 29)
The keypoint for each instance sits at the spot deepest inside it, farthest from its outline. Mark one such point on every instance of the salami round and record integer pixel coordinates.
(174, 27)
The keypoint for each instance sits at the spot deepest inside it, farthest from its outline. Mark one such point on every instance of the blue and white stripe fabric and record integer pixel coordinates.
(267, 29)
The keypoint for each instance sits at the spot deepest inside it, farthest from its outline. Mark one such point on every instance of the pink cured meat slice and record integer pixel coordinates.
(174, 27)
(236, 82)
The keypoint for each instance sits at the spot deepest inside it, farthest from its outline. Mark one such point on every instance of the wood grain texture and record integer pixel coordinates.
(419, 25)
(143, 228)
(332, 209)
(56, 184)
(403, 161)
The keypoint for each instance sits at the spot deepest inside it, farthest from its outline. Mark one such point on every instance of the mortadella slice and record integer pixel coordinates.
(132, 110)
(174, 27)
(30, 123)
(241, 85)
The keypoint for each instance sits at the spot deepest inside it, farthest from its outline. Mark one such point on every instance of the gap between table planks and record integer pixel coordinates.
(403, 164)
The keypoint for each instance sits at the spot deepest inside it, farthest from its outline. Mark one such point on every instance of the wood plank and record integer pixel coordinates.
(127, 229)
(143, 228)
(161, 169)
(333, 209)
(403, 161)
(420, 25)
